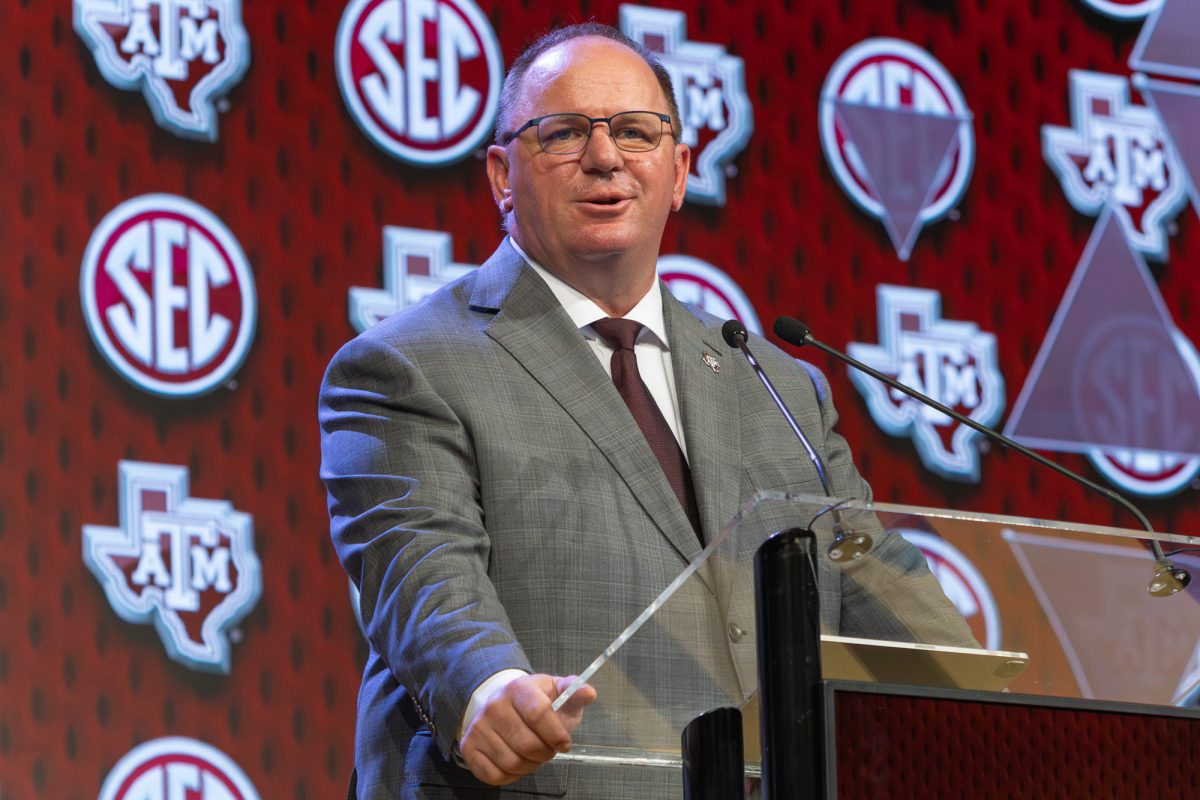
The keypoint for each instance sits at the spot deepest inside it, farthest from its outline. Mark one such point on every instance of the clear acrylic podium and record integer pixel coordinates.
(1073, 598)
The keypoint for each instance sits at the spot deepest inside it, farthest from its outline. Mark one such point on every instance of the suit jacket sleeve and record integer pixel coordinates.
(407, 523)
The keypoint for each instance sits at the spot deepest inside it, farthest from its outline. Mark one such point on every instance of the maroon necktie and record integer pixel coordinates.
(620, 334)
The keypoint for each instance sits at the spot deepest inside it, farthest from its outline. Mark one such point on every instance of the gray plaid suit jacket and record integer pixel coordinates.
(497, 506)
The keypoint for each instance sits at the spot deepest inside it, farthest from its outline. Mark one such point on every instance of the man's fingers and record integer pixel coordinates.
(518, 730)
(492, 758)
(571, 714)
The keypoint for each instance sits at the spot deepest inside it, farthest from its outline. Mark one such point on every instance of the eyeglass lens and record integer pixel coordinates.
(635, 131)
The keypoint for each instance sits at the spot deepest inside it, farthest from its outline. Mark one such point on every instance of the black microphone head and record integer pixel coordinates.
(733, 331)
(792, 331)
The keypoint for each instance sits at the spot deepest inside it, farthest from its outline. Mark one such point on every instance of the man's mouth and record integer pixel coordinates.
(605, 200)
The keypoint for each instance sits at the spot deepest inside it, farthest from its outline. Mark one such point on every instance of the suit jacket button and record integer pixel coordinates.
(736, 633)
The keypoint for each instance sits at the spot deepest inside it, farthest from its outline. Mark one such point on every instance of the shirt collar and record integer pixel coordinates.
(583, 311)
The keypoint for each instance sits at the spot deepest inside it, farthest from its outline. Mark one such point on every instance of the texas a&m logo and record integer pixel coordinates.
(897, 134)
(168, 295)
(416, 263)
(710, 89)
(176, 768)
(1117, 154)
(185, 564)
(420, 77)
(952, 362)
(184, 54)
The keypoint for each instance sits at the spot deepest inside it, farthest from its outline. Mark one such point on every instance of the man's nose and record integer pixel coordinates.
(601, 153)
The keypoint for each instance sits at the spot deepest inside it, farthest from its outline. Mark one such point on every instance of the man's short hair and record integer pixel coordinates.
(516, 73)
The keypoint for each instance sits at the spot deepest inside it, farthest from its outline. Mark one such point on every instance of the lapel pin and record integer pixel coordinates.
(711, 362)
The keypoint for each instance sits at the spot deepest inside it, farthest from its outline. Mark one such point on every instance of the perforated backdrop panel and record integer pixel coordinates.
(307, 195)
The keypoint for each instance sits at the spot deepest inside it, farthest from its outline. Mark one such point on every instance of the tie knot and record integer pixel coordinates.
(619, 333)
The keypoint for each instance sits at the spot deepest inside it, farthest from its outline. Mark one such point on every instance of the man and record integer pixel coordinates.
(501, 487)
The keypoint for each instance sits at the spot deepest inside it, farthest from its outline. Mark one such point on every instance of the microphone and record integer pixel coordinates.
(845, 547)
(1168, 579)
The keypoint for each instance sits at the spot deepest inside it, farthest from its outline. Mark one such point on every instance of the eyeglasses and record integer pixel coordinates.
(564, 134)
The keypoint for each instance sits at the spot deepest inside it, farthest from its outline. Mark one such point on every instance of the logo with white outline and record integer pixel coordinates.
(962, 583)
(1124, 9)
(416, 263)
(185, 55)
(168, 296)
(952, 362)
(710, 89)
(1117, 153)
(700, 284)
(897, 134)
(427, 99)
(184, 564)
(176, 768)
(1148, 473)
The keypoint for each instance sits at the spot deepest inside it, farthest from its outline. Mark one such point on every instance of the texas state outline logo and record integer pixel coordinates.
(186, 565)
(953, 362)
(1117, 153)
(185, 55)
(710, 89)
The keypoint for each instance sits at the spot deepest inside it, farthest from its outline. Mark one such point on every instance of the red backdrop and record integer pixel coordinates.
(307, 194)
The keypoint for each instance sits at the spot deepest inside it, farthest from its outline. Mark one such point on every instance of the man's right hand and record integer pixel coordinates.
(516, 730)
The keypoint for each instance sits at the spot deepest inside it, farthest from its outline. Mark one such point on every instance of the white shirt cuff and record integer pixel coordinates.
(484, 692)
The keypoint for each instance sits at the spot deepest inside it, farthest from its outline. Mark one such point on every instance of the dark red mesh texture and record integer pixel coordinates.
(892, 747)
(306, 194)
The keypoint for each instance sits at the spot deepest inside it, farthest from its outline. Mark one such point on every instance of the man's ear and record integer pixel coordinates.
(497, 170)
(683, 164)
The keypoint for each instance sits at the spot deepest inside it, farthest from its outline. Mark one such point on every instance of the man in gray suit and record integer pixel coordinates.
(513, 476)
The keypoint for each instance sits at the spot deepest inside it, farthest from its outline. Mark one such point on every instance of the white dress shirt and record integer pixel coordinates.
(654, 363)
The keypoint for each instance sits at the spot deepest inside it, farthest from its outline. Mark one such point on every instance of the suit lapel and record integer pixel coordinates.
(532, 326)
(709, 407)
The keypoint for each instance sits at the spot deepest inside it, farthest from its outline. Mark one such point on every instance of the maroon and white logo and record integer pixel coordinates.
(699, 283)
(185, 55)
(962, 583)
(421, 77)
(176, 768)
(168, 295)
(185, 564)
(1117, 154)
(710, 89)
(1124, 9)
(897, 134)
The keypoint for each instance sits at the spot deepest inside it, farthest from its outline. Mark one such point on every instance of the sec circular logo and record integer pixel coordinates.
(700, 284)
(893, 74)
(962, 583)
(176, 768)
(420, 77)
(168, 295)
(1124, 9)
(1152, 474)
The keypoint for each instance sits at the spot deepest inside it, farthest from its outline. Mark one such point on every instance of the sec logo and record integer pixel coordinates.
(897, 134)
(168, 295)
(176, 768)
(420, 77)
(1124, 9)
(699, 283)
(962, 583)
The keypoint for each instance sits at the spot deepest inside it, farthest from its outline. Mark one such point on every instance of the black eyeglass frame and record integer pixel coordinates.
(533, 123)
